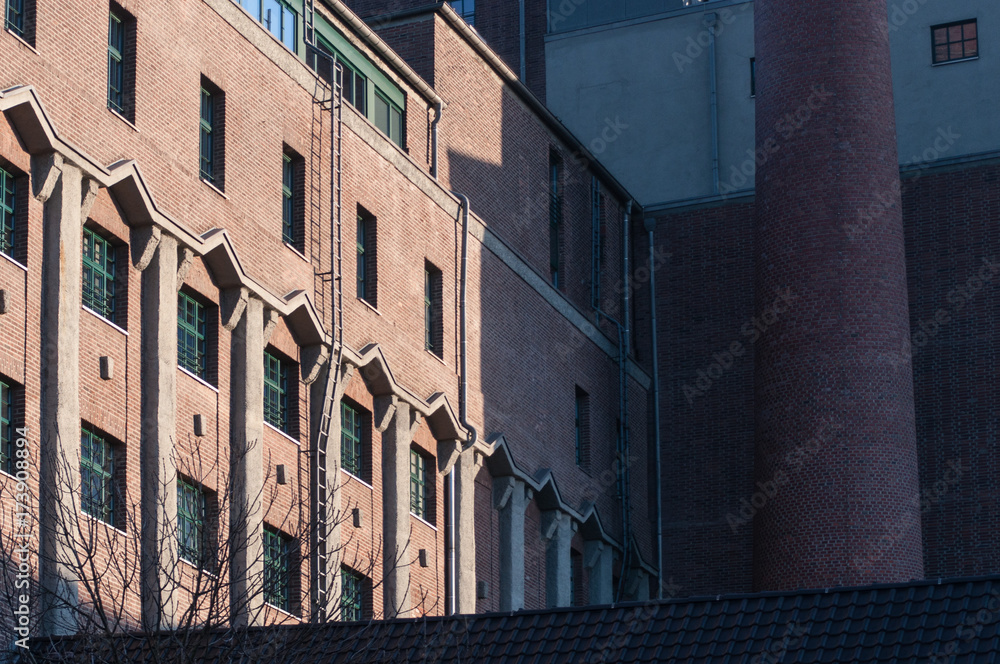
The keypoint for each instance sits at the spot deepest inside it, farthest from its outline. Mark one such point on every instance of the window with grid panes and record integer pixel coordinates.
(116, 62)
(7, 202)
(191, 344)
(288, 200)
(276, 392)
(207, 127)
(6, 427)
(97, 467)
(955, 41)
(191, 510)
(15, 17)
(351, 440)
(277, 569)
(418, 484)
(278, 17)
(98, 275)
(352, 603)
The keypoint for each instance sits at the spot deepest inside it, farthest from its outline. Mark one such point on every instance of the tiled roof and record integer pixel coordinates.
(922, 621)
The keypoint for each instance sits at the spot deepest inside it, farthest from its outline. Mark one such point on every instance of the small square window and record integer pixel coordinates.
(293, 199)
(955, 41)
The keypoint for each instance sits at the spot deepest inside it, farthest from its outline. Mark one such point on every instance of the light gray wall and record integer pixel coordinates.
(637, 93)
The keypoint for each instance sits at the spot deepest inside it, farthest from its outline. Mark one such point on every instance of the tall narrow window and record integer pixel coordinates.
(7, 430)
(753, 77)
(277, 569)
(955, 41)
(555, 218)
(121, 62)
(191, 510)
(8, 193)
(293, 199)
(433, 322)
(98, 275)
(352, 439)
(576, 579)
(352, 603)
(191, 335)
(582, 429)
(212, 132)
(97, 466)
(367, 258)
(276, 392)
(18, 21)
(418, 485)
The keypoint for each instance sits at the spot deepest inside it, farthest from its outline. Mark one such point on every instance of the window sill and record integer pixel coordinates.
(13, 261)
(213, 187)
(103, 523)
(22, 40)
(954, 62)
(199, 570)
(200, 380)
(369, 305)
(436, 356)
(281, 433)
(357, 479)
(123, 119)
(103, 319)
(282, 611)
(424, 521)
(295, 251)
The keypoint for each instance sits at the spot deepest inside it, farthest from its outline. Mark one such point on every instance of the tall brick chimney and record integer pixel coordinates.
(836, 455)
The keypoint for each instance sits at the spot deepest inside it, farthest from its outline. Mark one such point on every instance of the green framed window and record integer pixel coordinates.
(276, 392)
(352, 439)
(388, 118)
(466, 9)
(191, 511)
(277, 569)
(278, 17)
(418, 485)
(97, 467)
(8, 196)
(207, 139)
(7, 431)
(555, 217)
(116, 62)
(15, 17)
(352, 602)
(98, 274)
(287, 200)
(191, 343)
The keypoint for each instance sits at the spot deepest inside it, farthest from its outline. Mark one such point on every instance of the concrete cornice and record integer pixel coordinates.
(24, 110)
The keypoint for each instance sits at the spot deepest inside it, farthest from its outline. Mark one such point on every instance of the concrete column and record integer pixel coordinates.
(58, 186)
(156, 455)
(597, 559)
(557, 533)
(247, 465)
(510, 499)
(395, 504)
(465, 469)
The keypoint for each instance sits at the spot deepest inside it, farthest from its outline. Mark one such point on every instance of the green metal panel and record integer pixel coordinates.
(376, 79)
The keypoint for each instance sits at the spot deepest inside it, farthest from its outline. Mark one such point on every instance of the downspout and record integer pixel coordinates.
(523, 37)
(463, 405)
(650, 225)
(710, 21)
(627, 280)
(438, 109)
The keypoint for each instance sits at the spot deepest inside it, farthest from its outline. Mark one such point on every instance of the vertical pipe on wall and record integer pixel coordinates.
(650, 225)
(710, 22)
(522, 38)
(438, 109)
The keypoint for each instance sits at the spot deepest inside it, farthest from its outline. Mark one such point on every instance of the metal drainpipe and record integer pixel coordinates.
(438, 110)
(711, 19)
(463, 404)
(628, 281)
(650, 225)
(524, 66)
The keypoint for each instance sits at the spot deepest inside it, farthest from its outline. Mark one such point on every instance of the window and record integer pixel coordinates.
(355, 86)
(582, 428)
(212, 131)
(555, 216)
(418, 486)
(576, 597)
(367, 258)
(191, 511)
(277, 16)
(277, 568)
(97, 467)
(466, 9)
(7, 430)
(353, 590)
(20, 19)
(433, 322)
(121, 62)
(955, 41)
(276, 392)
(352, 439)
(191, 342)
(8, 191)
(389, 119)
(98, 275)
(753, 77)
